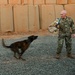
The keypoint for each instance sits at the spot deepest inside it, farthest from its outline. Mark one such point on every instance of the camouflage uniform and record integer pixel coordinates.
(66, 28)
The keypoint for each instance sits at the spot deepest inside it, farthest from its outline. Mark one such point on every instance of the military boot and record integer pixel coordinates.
(70, 55)
(57, 56)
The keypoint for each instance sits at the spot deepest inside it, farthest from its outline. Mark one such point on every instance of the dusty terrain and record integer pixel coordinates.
(21, 34)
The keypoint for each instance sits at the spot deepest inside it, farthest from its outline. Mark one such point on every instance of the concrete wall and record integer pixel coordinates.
(32, 15)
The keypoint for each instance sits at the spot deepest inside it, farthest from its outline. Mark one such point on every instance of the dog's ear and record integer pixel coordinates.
(31, 36)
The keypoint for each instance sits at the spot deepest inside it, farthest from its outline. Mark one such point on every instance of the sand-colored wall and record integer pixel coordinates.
(32, 15)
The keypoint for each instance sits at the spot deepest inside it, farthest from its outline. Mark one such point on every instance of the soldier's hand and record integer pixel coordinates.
(73, 35)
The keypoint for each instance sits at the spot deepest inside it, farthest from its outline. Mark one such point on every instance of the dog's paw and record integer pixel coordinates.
(22, 59)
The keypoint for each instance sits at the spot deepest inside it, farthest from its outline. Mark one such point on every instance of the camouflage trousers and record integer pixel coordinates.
(68, 43)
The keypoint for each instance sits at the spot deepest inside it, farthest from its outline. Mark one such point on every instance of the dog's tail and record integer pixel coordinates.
(4, 44)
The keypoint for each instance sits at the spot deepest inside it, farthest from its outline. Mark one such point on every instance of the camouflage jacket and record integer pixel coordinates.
(66, 26)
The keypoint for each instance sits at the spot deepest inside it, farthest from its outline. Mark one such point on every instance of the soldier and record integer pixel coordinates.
(66, 29)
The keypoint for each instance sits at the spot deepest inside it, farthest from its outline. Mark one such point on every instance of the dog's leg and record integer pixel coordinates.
(20, 56)
(22, 59)
(15, 55)
(14, 50)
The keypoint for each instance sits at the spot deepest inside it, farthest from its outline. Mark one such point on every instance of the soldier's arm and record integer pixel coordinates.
(54, 24)
(73, 27)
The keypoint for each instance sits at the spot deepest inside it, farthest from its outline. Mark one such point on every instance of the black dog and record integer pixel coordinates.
(22, 45)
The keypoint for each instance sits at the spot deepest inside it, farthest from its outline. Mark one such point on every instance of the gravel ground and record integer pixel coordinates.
(40, 59)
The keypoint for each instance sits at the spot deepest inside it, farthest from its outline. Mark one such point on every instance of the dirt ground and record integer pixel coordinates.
(8, 35)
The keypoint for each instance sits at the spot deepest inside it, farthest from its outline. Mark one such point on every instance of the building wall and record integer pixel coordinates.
(32, 15)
